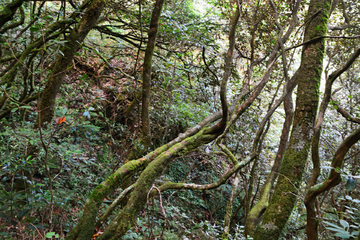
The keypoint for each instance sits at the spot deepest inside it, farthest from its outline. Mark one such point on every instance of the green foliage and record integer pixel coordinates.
(51, 177)
(344, 230)
(197, 205)
(345, 224)
(46, 176)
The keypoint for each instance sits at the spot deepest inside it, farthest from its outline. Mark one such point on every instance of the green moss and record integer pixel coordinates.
(97, 193)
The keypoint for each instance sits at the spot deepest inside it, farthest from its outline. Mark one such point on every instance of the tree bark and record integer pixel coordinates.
(293, 165)
(126, 217)
(9, 78)
(229, 207)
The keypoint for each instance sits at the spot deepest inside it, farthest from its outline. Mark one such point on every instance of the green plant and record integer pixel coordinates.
(344, 230)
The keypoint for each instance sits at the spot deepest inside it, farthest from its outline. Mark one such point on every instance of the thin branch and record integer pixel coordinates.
(207, 66)
(344, 113)
(222, 179)
(321, 37)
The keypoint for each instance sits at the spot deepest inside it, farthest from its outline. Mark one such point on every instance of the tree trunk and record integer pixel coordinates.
(76, 37)
(142, 145)
(146, 86)
(292, 168)
(126, 217)
(154, 164)
(229, 207)
(253, 218)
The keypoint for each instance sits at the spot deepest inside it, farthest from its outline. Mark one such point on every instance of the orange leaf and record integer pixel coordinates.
(60, 120)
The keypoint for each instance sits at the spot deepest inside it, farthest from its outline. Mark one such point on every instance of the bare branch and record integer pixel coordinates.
(344, 113)
(321, 37)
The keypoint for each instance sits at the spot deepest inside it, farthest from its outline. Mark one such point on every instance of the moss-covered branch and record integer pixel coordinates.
(9, 78)
(8, 11)
(228, 153)
(229, 207)
(84, 229)
(15, 24)
(125, 219)
(254, 215)
(113, 205)
(234, 191)
(48, 34)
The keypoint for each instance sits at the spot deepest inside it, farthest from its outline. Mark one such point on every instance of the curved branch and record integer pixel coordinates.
(35, 18)
(228, 65)
(9, 11)
(239, 110)
(124, 37)
(321, 37)
(344, 113)
(334, 177)
(114, 204)
(207, 66)
(222, 179)
(15, 24)
(324, 104)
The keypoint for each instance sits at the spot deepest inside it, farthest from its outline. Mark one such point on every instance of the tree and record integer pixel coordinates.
(72, 44)
(293, 164)
(227, 93)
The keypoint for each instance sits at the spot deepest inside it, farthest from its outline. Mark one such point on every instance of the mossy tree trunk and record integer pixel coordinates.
(254, 216)
(146, 86)
(293, 164)
(126, 217)
(143, 144)
(85, 227)
(74, 39)
(229, 207)
(152, 165)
